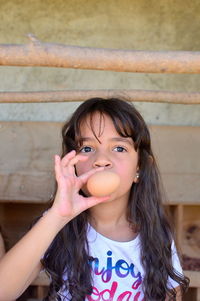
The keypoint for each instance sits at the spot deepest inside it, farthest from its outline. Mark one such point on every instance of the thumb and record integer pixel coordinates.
(84, 177)
(93, 201)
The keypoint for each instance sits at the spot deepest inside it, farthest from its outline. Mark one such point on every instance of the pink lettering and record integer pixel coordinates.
(109, 294)
(123, 295)
(95, 292)
(136, 298)
(136, 284)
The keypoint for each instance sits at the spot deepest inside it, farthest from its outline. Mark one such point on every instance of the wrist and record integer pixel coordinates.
(55, 219)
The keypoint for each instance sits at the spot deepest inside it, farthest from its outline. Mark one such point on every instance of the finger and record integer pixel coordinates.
(76, 159)
(69, 169)
(84, 177)
(58, 169)
(93, 201)
(65, 160)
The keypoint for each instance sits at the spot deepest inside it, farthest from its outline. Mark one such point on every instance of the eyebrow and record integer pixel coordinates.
(117, 139)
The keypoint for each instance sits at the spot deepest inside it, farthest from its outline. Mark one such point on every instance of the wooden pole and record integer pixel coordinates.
(36, 53)
(80, 95)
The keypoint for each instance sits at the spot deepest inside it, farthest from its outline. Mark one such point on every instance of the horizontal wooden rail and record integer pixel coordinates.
(37, 53)
(80, 95)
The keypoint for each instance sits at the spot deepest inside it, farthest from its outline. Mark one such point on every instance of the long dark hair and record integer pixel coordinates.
(68, 253)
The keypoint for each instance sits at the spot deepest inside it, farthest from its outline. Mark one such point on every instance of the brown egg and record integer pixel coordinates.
(103, 183)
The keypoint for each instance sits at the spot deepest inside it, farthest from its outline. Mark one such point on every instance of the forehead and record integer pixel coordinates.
(97, 124)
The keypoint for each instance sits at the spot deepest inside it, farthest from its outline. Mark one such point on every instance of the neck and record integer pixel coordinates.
(109, 214)
(110, 220)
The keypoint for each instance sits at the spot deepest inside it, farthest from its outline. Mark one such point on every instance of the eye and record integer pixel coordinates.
(120, 149)
(86, 149)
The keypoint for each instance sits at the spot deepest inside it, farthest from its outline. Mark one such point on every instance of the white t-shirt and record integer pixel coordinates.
(117, 269)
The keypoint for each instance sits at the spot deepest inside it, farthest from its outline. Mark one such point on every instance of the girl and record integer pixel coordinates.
(119, 247)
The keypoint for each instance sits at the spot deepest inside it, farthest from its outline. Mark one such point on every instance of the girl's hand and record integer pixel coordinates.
(68, 202)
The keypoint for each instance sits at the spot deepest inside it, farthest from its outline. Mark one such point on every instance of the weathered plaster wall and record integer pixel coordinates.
(127, 24)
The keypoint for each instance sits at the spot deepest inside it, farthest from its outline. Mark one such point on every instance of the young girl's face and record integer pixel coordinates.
(113, 152)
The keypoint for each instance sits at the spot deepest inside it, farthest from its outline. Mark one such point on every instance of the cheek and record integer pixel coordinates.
(128, 167)
(81, 167)
(128, 174)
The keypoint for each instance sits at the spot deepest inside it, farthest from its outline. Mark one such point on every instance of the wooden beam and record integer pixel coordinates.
(81, 95)
(37, 53)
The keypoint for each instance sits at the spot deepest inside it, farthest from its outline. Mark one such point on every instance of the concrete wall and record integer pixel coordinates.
(127, 24)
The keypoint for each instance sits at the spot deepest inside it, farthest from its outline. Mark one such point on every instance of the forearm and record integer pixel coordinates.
(20, 265)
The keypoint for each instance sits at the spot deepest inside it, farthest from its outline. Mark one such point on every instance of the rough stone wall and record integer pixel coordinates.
(127, 24)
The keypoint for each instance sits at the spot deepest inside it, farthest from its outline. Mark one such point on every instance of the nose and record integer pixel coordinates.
(102, 161)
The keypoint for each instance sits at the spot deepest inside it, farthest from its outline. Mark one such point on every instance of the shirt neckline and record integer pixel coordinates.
(132, 242)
